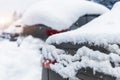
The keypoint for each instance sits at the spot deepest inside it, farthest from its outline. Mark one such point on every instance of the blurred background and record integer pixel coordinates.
(12, 10)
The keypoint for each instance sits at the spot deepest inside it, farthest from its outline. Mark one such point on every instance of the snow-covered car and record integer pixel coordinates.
(91, 52)
(49, 17)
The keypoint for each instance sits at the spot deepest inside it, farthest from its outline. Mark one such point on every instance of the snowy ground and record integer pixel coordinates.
(20, 63)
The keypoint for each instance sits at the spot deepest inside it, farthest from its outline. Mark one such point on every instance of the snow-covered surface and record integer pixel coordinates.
(20, 63)
(67, 65)
(102, 30)
(60, 14)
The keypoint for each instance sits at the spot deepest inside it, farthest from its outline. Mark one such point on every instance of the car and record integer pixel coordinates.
(87, 53)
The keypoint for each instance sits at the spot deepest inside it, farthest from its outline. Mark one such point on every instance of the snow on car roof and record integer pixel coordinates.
(60, 14)
(102, 30)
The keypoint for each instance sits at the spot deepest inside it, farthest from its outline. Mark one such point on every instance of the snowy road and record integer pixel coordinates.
(20, 63)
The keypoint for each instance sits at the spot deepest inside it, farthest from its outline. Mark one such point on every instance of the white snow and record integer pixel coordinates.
(50, 52)
(60, 14)
(102, 30)
(20, 63)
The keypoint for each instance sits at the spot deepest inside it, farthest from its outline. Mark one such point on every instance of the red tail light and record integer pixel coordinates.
(51, 32)
(46, 63)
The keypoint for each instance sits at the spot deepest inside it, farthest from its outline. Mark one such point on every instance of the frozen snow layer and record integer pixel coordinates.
(20, 63)
(60, 14)
(102, 30)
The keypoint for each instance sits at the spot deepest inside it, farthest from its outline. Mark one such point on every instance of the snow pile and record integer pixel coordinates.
(60, 14)
(20, 63)
(102, 30)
